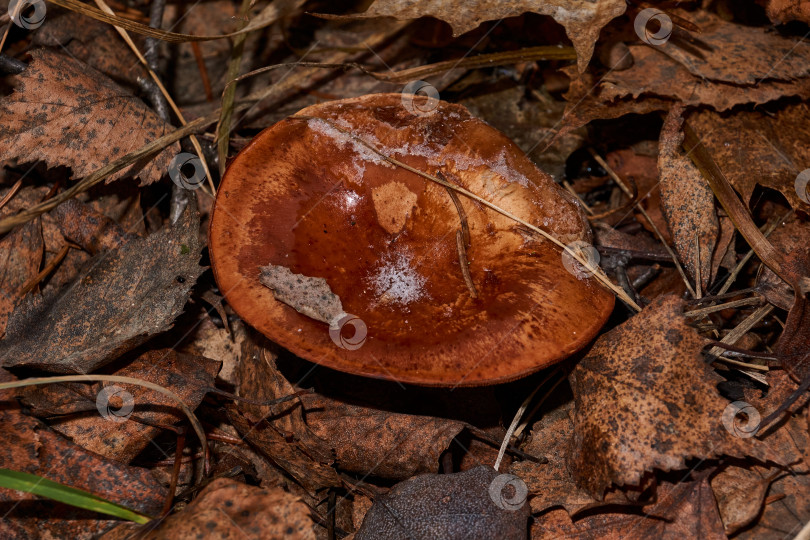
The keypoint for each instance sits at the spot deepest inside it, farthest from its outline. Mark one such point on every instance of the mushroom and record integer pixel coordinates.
(354, 261)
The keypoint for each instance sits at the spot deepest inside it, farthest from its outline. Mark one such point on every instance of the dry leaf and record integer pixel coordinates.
(655, 74)
(752, 147)
(66, 113)
(782, 11)
(121, 299)
(448, 506)
(735, 53)
(551, 484)
(740, 495)
(21, 253)
(582, 19)
(688, 508)
(367, 440)
(645, 400)
(187, 376)
(687, 202)
(309, 296)
(29, 446)
(227, 509)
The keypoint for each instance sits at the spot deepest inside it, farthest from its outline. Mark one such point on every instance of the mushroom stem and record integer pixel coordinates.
(465, 266)
(598, 273)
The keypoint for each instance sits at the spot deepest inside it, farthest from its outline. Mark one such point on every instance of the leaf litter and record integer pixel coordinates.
(688, 419)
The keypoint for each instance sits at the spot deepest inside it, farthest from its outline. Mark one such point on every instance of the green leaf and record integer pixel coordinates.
(31, 483)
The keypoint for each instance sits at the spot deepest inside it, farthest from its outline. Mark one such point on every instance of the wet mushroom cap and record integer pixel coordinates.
(307, 199)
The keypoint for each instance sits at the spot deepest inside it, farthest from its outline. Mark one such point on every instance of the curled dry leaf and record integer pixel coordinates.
(776, 148)
(121, 299)
(279, 432)
(687, 202)
(187, 376)
(477, 503)
(683, 510)
(585, 103)
(645, 400)
(228, 509)
(655, 74)
(66, 113)
(582, 19)
(735, 53)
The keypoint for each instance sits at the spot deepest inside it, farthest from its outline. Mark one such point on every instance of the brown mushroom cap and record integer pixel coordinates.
(307, 196)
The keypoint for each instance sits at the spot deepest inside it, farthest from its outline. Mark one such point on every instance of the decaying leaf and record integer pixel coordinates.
(687, 202)
(478, 503)
(21, 253)
(782, 11)
(66, 113)
(792, 240)
(655, 74)
(740, 495)
(551, 484)
(187, 376)
(753, 147)
(120, 300)
(29, 446)
(368, 440)
(645, 400)
(307, 295)
(228, 509)
(735, 53)
(582, 19)
(683, 510)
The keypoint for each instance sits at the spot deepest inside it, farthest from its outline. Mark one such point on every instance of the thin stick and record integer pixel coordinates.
(465, 266)
(596, 271)
(747, 324)
(698, 276)
(701, 312)
(53, 263)
(11, 192)
(197, 148)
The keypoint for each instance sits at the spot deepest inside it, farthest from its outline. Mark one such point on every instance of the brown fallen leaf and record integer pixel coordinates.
(782, 11)
(585, 103)
(551, 484)
(123, 437)
(367, 440)
(645, 400)
(687, 202)
(121, 299)
(655, 74)
(478, 503)
(93, 231)
(754, 148)
(228, 509)
(65, 113)
(740, 495)
(21, 253)
(582, 19)
(30, 446)
(737, 53)
(98, 45)
(791, 239)
(683, 510)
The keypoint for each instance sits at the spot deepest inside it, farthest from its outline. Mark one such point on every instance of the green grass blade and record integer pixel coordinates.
(31, 483)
